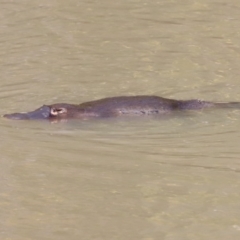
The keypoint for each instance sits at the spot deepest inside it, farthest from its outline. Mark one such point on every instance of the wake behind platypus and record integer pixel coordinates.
(117, 106)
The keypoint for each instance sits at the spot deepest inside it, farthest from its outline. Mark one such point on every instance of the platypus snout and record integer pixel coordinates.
(43, 112)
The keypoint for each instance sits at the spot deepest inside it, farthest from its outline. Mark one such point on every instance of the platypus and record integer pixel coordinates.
(117, 106)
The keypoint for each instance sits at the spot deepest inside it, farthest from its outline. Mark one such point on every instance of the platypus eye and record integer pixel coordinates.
(57, 111)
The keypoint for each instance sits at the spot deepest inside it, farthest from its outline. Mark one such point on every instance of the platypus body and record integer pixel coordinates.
(117, 106)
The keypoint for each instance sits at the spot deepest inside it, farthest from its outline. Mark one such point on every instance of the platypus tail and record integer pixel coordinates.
(234, 105)
(195, 104)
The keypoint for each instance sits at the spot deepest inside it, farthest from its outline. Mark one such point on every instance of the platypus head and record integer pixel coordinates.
(51, 112)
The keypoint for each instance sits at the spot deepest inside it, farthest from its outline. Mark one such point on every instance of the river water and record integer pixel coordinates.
(173, 178)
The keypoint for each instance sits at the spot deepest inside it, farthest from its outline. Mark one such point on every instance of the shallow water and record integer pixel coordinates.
(173, 177)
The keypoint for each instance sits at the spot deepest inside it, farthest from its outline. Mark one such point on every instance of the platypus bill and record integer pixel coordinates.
(117, 106)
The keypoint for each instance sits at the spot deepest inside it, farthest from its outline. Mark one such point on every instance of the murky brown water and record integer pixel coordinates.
(171, 178)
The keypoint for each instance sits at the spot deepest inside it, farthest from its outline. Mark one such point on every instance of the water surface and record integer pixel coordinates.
(174, 177)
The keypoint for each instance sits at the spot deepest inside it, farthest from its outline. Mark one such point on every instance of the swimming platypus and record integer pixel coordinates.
(117, 106)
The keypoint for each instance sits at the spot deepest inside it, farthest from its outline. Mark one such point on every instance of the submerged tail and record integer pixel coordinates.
(195, 104)
(234, 105)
